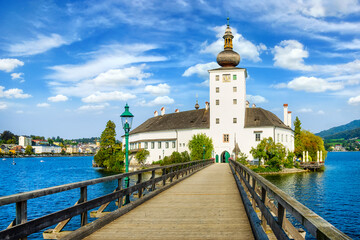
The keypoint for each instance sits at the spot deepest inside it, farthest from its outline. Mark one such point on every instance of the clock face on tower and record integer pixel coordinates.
(226, 77)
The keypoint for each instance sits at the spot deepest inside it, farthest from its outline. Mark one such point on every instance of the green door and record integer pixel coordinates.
(227, 155)
(217, 158)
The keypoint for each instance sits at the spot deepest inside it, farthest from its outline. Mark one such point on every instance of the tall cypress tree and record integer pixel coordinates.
(107, 143)
(297, 140)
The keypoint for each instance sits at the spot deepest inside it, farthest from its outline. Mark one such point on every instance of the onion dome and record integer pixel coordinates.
(228, 57)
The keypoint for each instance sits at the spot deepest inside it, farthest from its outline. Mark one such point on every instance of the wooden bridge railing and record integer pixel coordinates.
(21, 227)
(273, 204)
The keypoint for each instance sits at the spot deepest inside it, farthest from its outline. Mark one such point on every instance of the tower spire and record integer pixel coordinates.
(228, 58)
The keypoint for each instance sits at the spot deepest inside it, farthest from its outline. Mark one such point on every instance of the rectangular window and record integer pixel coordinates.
(234, 77)
(282, 137)
(167, 144)
(257, 137)
(217, 102)
(159, 144)
(234, 120)
(226, 77)
(234, 89)
(217, 120)
(217, 89)
(152, 145)
(217, 78)
(146, 145)
(234, 101)
(278, 137)
(173, 144)
(285, 138)
(226, 138)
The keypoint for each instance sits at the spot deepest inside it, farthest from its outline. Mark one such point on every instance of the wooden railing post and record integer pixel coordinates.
(171, 176)
(163, 174)
(152, 177)
(281, 215)
(120, 199)
(138, 182)
(263, 199)
(21, 213)
(83, 198)
(254, 187)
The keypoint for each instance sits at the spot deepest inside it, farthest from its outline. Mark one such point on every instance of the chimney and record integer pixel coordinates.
(289, 119)
(247, 104)
(286, 114)
(156, 114)
(176, 110)
(254, 106)
(207, 106)
(162, 111)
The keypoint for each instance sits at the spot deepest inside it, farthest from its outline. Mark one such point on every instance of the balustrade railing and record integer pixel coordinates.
(260, 195)
(21, 227)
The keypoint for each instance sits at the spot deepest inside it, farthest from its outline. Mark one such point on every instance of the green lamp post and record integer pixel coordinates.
(126, 121)
(204, 151)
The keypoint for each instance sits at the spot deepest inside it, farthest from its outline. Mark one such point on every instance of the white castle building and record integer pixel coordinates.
(228, 119)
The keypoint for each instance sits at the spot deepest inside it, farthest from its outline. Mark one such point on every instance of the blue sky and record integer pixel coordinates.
(67, 67)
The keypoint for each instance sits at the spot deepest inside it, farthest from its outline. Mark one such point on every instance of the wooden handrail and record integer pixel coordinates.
(313, 223)
(23, 227)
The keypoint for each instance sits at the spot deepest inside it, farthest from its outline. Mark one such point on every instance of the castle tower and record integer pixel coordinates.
(227, 99)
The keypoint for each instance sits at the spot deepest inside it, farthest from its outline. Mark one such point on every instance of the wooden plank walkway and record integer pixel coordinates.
(205, 206)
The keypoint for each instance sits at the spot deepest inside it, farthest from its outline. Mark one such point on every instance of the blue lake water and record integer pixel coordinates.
(333, 194)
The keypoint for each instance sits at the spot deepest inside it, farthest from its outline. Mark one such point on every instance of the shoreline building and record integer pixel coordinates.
(228, 119)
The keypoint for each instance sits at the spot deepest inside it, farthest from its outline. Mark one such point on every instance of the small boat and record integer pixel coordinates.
(4, 159)
(42, 161)
(13, 163)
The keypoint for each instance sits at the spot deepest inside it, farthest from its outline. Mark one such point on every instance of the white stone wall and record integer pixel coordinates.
(24, 141)
(226, 111)
(180, 137)
(46, 149)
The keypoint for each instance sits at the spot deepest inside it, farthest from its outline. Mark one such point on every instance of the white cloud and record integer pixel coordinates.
(109, 81)
(311, 84)
(290, 54)
(158, 90)
(108, 96)
(106, 58)
(201, 69)
(39, 45)
(13, 93)
(93, 107)
(244, 47)
(3, 106)
(320, 112)
(43, 105)
(305, 110)
(15, 76)
(8, 64)
(58, 98)
(353, 45)
(19, 111)
(164, 100)
(302, 16)
(354, 100)
(255, 99)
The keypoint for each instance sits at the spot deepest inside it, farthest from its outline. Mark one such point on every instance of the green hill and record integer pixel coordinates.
(350, 130)
(354, 133)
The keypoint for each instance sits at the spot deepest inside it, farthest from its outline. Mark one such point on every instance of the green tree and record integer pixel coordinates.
(8, 137)
(110, 154)
(297, 132)
(311, 143)
(142, 155)
(272, 153)
(28, 150)
(196, 146)
(241, 158)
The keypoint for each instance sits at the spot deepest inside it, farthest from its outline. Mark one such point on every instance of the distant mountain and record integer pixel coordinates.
(350, 130)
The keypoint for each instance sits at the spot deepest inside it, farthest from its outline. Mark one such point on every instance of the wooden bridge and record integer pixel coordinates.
(194, 200)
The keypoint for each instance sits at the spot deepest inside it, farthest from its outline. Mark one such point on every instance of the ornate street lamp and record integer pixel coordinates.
(126, 121)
